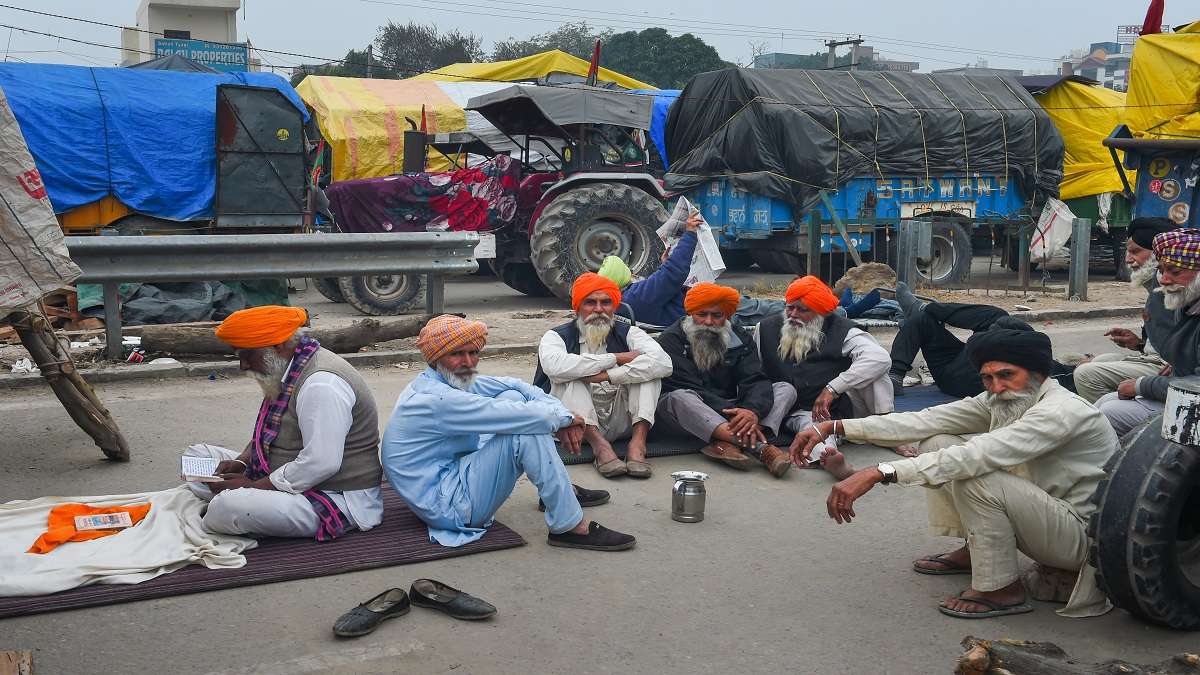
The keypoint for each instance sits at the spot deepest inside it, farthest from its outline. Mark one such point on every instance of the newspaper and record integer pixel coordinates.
(707, 263)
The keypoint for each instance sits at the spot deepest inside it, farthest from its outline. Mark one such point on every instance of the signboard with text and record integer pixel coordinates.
(1127, 35)
(228, 58)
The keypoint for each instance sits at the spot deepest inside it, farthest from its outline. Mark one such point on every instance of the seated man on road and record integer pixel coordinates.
(311, 468)
(457, 443)
(1137, 400)
(923, 330)
(1104, 373)
(605, 371)
(1012, 469)
(717, 391)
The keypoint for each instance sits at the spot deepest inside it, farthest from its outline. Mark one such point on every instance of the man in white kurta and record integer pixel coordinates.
(607, 372)
(1010, 470)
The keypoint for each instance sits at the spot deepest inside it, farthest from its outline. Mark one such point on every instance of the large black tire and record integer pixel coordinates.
(1145, 531)
(384, 294)
(583, 225)
(329, 288)
(951, 262)
(520, 276)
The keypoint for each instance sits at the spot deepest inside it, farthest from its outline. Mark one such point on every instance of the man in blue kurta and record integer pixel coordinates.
(457, 443)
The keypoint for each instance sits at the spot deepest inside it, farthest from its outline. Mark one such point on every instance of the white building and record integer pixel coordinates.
(202, 30)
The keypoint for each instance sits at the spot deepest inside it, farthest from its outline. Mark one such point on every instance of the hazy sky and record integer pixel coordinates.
(1027, 34)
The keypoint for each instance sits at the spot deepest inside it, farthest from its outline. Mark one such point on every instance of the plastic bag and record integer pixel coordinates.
(707, 263)
(1053, 231)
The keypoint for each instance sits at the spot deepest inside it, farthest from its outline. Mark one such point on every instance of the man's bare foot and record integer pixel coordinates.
(582, 527)
(958, 560)
(635, 452)
(1012, 594)
(906, 450)
(835, 463)
(602, 450)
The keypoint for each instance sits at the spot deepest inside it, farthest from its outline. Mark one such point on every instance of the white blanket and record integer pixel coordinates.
(168, 538)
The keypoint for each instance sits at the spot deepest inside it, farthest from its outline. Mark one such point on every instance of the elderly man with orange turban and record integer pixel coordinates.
(717, 391)
(607, 372)
(311, 468)
(837, 369)
(458, 441)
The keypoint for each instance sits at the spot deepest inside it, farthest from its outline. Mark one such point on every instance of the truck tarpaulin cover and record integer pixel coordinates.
(1085, 114)
(1164, 85)
(100, 131)
(787, 134)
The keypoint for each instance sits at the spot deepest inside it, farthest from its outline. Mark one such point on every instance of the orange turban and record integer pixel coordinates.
(813, 293)
(707, 294)
(264, 326)
(448, 333)
(590, 282)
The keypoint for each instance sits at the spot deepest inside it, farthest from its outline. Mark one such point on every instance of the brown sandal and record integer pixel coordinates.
(611, 468)
(638, 469)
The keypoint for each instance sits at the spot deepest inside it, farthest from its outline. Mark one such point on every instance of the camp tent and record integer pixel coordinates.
(530, 68)
(1164, 85)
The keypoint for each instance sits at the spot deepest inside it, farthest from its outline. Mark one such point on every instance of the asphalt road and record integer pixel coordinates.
(766, 583)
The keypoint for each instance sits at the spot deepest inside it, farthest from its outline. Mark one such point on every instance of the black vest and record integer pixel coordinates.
(817, 369)
(616, 342)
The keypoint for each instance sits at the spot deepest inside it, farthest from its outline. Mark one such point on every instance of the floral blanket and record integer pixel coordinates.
(482, 197)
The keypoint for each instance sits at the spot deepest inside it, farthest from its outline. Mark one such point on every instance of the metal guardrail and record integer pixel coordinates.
(111, 261)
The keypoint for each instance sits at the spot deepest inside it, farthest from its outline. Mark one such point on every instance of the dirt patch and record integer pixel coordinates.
(1100, 294)
(863, 278)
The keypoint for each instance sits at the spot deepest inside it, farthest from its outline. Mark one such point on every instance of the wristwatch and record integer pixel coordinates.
(888, 471)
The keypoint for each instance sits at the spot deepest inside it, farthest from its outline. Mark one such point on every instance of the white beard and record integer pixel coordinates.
(1140, 276)
(463, 379)
(1176, 295)
(1008, 407)
(595, 330)
(271, 381)
(709, 344)
(798, 340)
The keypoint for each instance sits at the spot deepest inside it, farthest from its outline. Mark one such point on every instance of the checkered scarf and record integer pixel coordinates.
(1179, 247)
(332, 522)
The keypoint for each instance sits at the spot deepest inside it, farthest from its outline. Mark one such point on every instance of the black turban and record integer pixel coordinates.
(1142, 230)
(1026, 348)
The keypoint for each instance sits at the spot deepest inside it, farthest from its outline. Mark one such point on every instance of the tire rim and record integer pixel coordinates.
(603, 237)
(385, 287)
(943, 258)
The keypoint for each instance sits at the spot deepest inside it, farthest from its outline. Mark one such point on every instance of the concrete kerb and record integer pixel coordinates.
(146, 371)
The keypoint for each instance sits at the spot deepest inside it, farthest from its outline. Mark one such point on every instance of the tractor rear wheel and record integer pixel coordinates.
(384, 294)
(584, 225)
(329, 288)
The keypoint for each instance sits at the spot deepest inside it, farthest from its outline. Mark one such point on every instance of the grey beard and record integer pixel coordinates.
(595, 330)
(463, 379)
(1176, 296)
(1141, 276)
(271, 381)
(797, 341)
(709, 344)
(1008, 407)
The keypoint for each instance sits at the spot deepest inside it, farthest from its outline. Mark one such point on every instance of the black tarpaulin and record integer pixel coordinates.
(787, 134)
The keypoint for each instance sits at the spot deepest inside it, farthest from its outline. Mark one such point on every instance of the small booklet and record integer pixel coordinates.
(103, 521)
(200, 470)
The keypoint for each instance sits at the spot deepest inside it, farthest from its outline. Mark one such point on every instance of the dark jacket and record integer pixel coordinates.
(1181, 349)
(616, 342)
(818, 368)
(1157, 320)
(738, 382)
(658, 299)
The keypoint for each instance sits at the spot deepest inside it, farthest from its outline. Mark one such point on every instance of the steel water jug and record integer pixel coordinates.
(688, 495)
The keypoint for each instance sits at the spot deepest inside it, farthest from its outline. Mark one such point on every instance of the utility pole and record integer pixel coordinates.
(370, 51)
(831, 55)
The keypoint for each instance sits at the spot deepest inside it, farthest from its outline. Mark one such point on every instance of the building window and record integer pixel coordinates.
(177, 34)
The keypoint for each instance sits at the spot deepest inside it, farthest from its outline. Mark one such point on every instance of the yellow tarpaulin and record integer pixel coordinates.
(529, 68)
(1085, 115)
(1164, 85)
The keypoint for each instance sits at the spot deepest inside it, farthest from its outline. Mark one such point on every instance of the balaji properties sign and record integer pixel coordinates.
(227, 58)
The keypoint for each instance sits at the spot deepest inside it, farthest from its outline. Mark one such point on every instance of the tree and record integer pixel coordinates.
(653, 56)
(416, 48)
(353, 65)
(573, 38)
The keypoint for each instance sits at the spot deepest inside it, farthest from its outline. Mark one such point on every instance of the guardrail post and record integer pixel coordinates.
(914, 242)
(1081, 253)
(812, 252)
(1024, 236)
(435, 294)
(112, 320)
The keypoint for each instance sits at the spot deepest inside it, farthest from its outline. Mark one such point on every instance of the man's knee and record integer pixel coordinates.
(938, 442)
(674, 401)
(226, 508)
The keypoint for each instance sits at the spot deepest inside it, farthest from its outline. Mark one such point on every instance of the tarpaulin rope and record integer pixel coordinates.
(962, 118)
(837, 123)
(921, 121)
(1003, 126)
(875, 111)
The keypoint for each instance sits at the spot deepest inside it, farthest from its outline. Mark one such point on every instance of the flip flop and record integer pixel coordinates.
(611, 468)
(997, 609)
(951, 567)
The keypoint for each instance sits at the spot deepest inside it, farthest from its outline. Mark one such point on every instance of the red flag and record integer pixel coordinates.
(594, 67)
(1153, 22)
(424, 128)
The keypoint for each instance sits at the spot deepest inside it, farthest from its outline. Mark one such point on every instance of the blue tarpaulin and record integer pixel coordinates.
(663, 98)
(147, 137)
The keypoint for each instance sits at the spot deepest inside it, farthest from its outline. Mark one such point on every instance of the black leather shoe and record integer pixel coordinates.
(367, 616)
(450, 601)
(598, 538)
(585, 496)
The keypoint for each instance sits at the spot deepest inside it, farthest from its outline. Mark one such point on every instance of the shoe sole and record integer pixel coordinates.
(443, 610)
(372, 628)
(781, 474)
(592, 547)
(542, 507)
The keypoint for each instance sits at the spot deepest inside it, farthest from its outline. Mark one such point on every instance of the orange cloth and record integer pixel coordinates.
(61, 524)
(448, 333)
(590, 282)
(813, 293)
(258, 327)
(708, 294)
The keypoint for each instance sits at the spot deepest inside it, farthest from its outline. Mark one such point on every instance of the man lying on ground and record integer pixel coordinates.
(607, 372)
(1137, 400)
(457, 443)
(717, 391)
(1104, 373)
(1012, 469)
(312, 466)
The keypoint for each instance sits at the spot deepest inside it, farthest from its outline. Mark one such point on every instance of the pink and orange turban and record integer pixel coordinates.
(1179, 247)
(707, 294)
(813, 293)
(448, 333)
(590, 282)
(259, 327)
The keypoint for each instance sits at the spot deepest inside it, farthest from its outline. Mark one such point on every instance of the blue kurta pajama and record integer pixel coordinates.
(454, 456)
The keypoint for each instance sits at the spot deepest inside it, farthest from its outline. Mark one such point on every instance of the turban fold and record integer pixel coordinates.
(614, 268)
(1143, 230)
(1179, 247)
(258, 327)
(1026, 348)
(448, 333)
(590, 282)
(813, 293)
(709, 294)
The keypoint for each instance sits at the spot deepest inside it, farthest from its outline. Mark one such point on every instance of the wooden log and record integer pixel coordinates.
(1020, 657)
(179, 339)
(16, 663)
(76, 395)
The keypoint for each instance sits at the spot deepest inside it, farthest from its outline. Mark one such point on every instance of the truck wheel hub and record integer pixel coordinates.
(600, 239)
